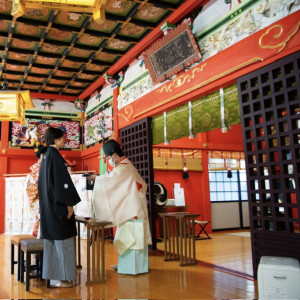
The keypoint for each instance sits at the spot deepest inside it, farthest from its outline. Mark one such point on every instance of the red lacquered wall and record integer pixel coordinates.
(196, 187)
(14, 161)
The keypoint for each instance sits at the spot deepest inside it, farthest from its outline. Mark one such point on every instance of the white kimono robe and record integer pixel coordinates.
(120, 197)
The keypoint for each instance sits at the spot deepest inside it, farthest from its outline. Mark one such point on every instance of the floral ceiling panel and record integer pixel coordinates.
(2, 41)
(22, 44)
(70, 19)
(35, 79)
(28, 30)
(46, 60)
(13, 77)
(19, 56)
(4, 26)
(63, 52)
(57, 82)
(107, 27)
(106, 57)
(53, 49)
(132, 30)
(78, 84)
(68, 63)
(94, 67)
(40, 71)
(38, 14)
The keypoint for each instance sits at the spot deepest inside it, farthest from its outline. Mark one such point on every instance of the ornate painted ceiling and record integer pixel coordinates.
(59, 52)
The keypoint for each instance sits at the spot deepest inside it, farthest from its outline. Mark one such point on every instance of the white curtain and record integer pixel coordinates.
(17, 215)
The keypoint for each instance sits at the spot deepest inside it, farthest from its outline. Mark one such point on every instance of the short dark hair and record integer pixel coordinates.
(111, 147)
(53, 134)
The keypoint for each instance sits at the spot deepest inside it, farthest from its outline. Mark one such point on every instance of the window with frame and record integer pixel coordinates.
(223, 188)
(227, 176)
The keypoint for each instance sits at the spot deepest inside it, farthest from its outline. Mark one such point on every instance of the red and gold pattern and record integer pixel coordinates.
(31, 184)
(251, 53)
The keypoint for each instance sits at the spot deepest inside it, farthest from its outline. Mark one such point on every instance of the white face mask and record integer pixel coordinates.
(111, 162)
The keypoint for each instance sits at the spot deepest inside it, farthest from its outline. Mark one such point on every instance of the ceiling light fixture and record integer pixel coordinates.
(13, 103)
(96, 7)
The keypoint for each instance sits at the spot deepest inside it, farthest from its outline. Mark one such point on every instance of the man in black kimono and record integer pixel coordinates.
(57, 196)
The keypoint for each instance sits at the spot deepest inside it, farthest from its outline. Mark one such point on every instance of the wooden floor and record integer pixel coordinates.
(210, 279)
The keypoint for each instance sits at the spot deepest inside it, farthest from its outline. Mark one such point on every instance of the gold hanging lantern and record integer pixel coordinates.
(13, 105)
(96, 7)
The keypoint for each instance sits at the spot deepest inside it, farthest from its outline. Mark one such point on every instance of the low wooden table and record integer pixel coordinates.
(166, 209)
(179, 237)
(95, 244)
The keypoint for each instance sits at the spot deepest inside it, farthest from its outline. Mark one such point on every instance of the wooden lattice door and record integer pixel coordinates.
(270, 113)
(136, 142)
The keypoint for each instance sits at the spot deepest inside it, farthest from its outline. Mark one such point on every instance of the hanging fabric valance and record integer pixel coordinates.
(217, 110)
(223, 160)
(177, 159)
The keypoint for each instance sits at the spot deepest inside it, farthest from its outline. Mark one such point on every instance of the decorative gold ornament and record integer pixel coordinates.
(181, 80)
(96, 7)
(13, 105)
(127, 113)
(168, 89)
(276, 32)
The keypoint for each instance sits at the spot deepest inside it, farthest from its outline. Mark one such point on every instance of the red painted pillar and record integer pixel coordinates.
(115, 114)
(3, 170)
(82, 134)
(205, 208)
(205, 195)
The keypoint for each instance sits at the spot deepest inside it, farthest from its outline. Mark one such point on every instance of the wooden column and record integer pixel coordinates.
(3, 170)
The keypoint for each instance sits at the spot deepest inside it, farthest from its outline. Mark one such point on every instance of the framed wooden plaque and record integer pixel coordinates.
(172, 53)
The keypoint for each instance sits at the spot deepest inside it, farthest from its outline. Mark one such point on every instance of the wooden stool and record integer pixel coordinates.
(15, 241)
(202, 225)
(32, 246)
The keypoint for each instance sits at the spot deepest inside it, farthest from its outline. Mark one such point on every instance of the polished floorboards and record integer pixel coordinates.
(224, 271)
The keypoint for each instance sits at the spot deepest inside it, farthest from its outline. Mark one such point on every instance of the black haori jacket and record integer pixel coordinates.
(56, 191)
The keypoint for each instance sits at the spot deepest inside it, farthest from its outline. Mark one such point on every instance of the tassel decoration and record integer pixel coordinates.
(229, 173)
(185, 173)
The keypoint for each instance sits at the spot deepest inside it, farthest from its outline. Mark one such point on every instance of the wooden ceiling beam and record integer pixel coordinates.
(52, 96)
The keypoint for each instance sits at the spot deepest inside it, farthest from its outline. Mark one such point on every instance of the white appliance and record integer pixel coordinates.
(278, 278)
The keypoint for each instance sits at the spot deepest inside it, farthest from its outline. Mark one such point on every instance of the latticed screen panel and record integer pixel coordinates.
(136, 142)
(270, 113)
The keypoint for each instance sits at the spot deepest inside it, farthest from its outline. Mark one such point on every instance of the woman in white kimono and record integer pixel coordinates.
(120, 197)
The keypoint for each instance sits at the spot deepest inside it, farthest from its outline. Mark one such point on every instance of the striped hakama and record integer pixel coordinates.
(59, 259)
